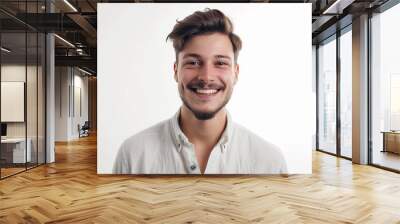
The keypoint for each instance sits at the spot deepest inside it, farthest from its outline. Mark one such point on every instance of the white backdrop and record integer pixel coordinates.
(273, 96)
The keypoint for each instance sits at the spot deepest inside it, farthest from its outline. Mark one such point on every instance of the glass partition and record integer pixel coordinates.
(22, 63)
(346, 93)
(327, 96)
(13, 111)
(41, 86)
(385, 89)
(32, 95)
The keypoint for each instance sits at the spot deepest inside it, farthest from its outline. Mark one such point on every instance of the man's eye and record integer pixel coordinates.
(193, 63)
(222, 63)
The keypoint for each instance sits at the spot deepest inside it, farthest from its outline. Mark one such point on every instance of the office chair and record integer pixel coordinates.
(84, 130)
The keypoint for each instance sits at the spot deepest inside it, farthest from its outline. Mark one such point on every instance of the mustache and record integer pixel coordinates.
(200, 84)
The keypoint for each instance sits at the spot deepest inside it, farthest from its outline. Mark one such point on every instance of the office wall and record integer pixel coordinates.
(62, 80)
(71, 102)
(80, 109)
(12, 98)
(92, 108)
(15, 72)
(33, 126)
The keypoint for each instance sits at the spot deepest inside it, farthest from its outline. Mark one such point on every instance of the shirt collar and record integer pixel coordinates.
(179, 138)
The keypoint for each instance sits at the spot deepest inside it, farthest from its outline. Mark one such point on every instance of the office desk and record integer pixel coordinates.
(13, 150)
(391, 141)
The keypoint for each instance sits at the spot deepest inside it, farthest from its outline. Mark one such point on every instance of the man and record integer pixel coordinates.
(201, 138)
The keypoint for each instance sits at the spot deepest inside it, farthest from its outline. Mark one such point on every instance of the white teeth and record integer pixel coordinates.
(206, 91)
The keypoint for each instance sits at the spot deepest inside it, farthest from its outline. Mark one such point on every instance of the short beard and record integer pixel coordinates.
(202, 116)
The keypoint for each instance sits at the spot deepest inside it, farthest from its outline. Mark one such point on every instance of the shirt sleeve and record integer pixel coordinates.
(121, 165)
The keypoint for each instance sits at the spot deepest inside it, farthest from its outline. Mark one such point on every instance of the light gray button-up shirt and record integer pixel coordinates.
(164, 149)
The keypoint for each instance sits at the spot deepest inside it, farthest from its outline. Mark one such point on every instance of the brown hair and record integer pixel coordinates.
(203, 22)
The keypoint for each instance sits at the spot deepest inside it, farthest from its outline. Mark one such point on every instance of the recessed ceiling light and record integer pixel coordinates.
(64, 40)
(5, 50)
(84, 71)
(337, 7)
(70, 5)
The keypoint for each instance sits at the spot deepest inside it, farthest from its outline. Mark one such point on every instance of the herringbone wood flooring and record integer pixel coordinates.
(70, 191)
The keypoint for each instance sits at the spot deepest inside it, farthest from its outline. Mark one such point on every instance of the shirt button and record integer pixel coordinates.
(193, 167)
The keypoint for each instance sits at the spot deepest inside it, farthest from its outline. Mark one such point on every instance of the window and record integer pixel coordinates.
(327, 96)
(385, 89)
(346, 93)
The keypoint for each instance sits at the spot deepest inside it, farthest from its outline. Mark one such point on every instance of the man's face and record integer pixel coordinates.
(206, 73)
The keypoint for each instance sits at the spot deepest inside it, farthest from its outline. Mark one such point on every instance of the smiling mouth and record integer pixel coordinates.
(207, 92)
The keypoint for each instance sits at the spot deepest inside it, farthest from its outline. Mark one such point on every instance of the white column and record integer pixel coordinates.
(50, 100)
(50, 92)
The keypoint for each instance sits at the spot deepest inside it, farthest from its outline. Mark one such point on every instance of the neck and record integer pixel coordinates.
(207, 132)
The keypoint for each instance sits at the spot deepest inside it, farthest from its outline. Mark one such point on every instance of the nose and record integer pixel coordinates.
(206, 73)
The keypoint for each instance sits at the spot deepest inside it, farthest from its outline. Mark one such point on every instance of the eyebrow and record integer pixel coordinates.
(223, 56)
(192, 55)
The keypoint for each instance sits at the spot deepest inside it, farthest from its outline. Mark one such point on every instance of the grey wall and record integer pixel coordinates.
(71, 102)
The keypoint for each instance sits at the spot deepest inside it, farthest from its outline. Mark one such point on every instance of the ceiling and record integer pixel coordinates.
(76, 22)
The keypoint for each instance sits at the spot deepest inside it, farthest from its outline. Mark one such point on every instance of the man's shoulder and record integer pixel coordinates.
(265, 156)
(257, 143)
(142, 150)
(151, 135)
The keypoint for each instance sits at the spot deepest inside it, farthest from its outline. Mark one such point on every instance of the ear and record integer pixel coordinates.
(176, 71)
(236, 73)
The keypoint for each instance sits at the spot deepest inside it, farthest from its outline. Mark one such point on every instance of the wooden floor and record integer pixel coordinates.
(10, 171)
(70, 191)
(387, 159)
